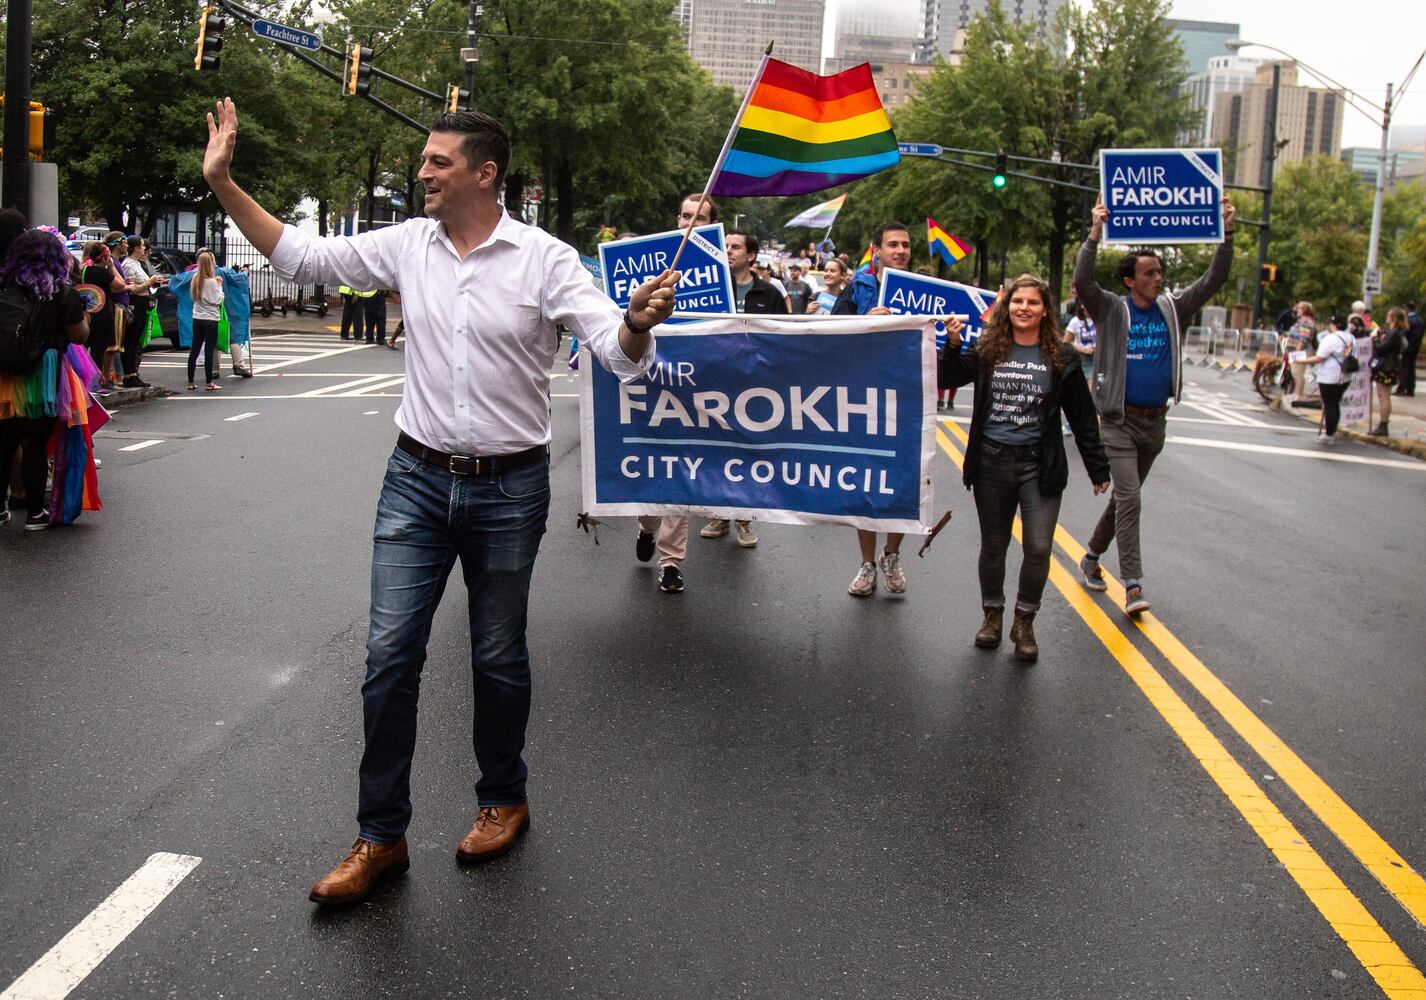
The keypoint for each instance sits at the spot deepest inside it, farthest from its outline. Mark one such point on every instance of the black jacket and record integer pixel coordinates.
(764, 297)
(1068, 392)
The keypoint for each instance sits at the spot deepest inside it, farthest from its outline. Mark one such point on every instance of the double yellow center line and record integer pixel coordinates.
(1383, 959)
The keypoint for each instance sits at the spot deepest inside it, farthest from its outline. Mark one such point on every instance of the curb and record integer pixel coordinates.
(1402, 445)
(128, 397)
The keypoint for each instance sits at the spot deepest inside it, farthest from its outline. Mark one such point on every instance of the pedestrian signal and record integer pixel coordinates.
(998, 179)
(358, 79)
(40, 135)
(1268, 274)
(210, 39)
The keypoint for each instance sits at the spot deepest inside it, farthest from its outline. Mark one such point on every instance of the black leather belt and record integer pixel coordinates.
(471, 465)
(1145, 413)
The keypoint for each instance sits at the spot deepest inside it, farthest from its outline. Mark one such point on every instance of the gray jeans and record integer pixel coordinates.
(1131, 447)
(1006, 483)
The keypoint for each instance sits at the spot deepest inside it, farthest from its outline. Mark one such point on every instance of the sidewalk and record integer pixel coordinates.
(1408, 413)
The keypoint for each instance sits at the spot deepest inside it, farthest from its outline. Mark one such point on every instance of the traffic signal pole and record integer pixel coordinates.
(16, 175)
(1269, 162)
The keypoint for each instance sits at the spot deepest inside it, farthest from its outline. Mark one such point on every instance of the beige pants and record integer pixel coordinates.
(671, 535)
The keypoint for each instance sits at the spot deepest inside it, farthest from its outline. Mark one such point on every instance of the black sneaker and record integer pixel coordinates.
(644, 547)
(671, 580)
(4, 516)
(38, 522)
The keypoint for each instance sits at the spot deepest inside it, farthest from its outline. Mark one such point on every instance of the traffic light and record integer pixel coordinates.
(1268, 274)
(998, 179)
(210, 39)
(358, 82)
(40, 137)
(455, 97)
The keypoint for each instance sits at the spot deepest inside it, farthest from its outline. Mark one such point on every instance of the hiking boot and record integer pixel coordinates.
(989, 635)
(1022, 633)
(891, 569)
(864, 583)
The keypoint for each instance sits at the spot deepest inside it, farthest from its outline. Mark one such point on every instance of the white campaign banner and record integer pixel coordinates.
(1356, 401)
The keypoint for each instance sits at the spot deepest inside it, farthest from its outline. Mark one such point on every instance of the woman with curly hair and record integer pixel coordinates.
(34, 269)
(1025, 378)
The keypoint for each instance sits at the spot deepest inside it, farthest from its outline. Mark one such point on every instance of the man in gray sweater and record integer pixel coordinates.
(1138, 368)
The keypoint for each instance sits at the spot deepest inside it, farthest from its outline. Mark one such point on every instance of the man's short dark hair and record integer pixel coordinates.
(12, 224)
(482, 139)
(712, 205)
(887, 227)
(749, 240)
(1129, 264)
(1410, 306)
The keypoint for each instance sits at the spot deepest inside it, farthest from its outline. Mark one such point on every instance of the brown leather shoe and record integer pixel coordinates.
(495, 832)
(989, 635)
(366, 867)
(1022, 633)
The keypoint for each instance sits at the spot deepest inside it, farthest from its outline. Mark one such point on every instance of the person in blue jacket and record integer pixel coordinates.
(237, 301)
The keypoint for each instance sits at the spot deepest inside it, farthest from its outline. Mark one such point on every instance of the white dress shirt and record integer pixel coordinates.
(480, 330)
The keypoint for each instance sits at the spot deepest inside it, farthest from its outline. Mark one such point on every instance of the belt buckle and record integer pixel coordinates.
(466, 465)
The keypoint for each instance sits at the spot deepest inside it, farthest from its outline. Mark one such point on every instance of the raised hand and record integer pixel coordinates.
(653, 301)
(1230, 212)
(1100, 215)
(222, 140)
(954, 326)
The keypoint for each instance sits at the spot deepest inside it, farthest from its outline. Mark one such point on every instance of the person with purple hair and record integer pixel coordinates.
(38, 264)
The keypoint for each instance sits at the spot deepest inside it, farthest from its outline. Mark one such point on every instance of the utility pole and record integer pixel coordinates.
(1269, 161)
(471, 53)
(16, 174)
(1375, 240)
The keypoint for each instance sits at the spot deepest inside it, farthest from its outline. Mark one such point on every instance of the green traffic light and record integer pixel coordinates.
(998, 180)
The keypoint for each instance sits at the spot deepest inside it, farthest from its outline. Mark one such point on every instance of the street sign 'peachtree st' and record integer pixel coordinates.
(291, 36)
(919, 149)
(1162, 195)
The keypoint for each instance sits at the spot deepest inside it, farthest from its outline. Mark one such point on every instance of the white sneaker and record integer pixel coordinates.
(891, 569)
(716, 528)
(746, 538)
(864, 583)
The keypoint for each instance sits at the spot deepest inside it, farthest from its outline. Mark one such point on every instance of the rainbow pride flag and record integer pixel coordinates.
(948, 247)
(798, 132)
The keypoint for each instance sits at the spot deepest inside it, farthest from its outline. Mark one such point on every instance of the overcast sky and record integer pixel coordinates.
(1362, 44)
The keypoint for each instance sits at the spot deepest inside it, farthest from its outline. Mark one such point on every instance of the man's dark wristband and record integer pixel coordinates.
(634, 327)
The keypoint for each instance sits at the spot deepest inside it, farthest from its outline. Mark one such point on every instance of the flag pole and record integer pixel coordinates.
(722, 155)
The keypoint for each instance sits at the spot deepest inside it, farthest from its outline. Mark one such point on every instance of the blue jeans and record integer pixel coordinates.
(426, 518)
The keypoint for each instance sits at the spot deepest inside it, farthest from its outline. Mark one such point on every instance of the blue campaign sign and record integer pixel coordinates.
(706, 285)
(798, 421)
(291, 36)
(908, 294)
(1162, 195)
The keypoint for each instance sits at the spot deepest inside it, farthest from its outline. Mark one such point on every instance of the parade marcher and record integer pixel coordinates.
(1388, 343)
(892, 243)
(207, 290)
(141, 298)
(668, 534)
(1138, 371)
(34, 292)
(752, 295)
(469, 478)
(834, 277)
(1015, 463)
(1333, 347)
(1415, 327)
(799, 292)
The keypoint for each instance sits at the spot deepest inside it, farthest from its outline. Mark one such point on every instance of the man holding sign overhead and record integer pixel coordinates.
(1137, 371)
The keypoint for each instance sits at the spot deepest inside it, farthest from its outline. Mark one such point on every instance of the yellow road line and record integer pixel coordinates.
(1376, 855)
(1387, 964)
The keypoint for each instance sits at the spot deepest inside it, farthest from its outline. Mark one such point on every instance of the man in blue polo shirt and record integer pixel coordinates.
(1138, 371)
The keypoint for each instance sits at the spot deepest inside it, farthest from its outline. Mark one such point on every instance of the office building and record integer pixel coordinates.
(942, 19)
(1309, 123)
(1401, 164)
(1202, 41)
(727, 37)
(1224, 74)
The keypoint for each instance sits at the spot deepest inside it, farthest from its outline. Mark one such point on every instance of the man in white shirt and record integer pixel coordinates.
(469, 478)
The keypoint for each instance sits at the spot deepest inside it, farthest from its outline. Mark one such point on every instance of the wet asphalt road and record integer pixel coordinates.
(758, 788)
